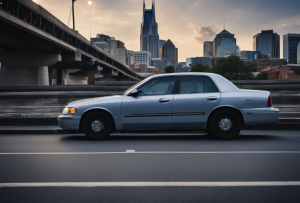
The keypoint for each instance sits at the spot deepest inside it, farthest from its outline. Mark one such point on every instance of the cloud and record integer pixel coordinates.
(191, 25)
(196, 3)
(204, 33)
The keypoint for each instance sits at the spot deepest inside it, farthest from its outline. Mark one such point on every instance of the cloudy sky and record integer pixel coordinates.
(186, 22)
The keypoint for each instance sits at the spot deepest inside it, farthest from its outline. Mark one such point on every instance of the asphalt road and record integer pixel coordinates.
(260, 166)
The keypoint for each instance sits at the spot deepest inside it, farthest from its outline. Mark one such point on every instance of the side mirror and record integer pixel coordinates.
(135, 92)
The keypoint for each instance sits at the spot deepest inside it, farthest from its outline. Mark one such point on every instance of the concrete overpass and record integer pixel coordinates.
(36, 47)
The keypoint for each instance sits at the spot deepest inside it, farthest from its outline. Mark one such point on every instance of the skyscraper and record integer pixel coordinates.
(161, 43)
(208, 49)
(290, 45)
(219, 39)
(149, 31)
(267, 42)
(228, 48)
(170, 52)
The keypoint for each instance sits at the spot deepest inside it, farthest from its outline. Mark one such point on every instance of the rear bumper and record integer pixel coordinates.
(260, 116)
(69, 122)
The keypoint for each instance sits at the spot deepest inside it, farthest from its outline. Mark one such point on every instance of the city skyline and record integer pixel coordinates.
(197, 21)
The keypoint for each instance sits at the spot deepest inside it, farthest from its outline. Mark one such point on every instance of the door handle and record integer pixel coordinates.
(163, 100)
(212, 98)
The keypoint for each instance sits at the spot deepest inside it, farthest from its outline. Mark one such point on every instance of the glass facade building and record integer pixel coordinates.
(208, 49)
(290, 45)
(250, 55)
(199, 60)
(149, 32)
(161, 43)
(228, 48)
(219, 39)
(267, 42)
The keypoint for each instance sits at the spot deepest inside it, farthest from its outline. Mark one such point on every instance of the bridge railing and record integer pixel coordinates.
(51, 25)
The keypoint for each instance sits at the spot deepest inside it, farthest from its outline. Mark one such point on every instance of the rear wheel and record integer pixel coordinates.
(225, 124)
(97, 125)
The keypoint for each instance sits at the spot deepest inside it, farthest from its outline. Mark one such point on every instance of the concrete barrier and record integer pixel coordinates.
(48, 101)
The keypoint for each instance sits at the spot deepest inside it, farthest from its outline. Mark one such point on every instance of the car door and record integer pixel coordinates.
(151, 109)
(196, 97)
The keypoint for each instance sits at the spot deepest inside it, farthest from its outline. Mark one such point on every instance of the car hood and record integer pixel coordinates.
(97, 100)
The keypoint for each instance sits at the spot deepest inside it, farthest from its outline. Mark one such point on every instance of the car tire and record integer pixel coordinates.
(97, 125)
(225, 124)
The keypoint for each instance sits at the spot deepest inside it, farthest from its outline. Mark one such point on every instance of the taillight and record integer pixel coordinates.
(270, 101)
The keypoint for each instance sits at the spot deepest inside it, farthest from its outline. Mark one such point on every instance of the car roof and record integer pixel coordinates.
(180, 74)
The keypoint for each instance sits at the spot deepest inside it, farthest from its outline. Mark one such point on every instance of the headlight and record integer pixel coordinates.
(69, 111)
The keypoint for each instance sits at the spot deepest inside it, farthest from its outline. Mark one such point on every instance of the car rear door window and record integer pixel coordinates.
(196, 84)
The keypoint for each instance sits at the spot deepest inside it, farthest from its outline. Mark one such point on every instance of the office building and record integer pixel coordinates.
(121, 54)
(142, 57)
(267, 42)
(250, 55)
(145, 70)
(161, 43)
(281, 73)
(259, 64)
(219, 39)
(160, 63)
(102, 41)
(199, 60)
(149, 31)
(228, 48)
(170, 52)
(130, 57)
(290, 45)
(208, 49)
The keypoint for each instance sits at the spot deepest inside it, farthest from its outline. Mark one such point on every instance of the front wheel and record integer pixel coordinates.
(97, 125)
(225, 124)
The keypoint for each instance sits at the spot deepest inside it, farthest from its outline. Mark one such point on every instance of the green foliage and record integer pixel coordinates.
(201, 68)
(232, 68)
(170, 69)
(297, 70)
(262, 76)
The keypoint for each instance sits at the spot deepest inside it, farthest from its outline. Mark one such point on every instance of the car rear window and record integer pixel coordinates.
(196, 84)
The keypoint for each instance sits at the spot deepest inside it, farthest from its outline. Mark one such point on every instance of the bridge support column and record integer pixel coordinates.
(25, 68)
(37, 76)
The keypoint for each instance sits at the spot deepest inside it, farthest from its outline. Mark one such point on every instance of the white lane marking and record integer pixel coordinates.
(130, 151)
(154, 152)
(153, 184)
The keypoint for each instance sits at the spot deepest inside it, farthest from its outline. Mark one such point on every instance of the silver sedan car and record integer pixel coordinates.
(180, 101)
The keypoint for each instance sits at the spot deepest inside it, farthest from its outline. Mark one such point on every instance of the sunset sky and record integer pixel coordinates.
(186, 22)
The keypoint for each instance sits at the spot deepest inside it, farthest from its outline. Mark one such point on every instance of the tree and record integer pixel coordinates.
(262, 76)
(297, 70)
(232, 68)
(201, 68)
(170, 69)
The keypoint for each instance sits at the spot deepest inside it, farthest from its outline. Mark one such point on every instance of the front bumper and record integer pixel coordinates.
(260, 116)
(69, 122)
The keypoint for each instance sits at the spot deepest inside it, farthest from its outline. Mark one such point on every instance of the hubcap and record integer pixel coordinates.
(225, 124)
(97, 126)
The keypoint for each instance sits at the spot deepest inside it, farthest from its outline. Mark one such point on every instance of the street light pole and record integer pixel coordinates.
(73, 1)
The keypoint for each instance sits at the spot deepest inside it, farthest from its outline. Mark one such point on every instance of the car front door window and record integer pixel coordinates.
(158, 86)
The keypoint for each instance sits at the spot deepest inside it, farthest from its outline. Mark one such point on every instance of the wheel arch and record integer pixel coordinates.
(225, 107)
(99, 110)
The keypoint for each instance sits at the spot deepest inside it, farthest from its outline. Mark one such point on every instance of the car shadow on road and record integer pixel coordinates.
(143, 137)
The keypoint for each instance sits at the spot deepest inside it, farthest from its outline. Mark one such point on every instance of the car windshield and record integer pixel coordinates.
(133, 87)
